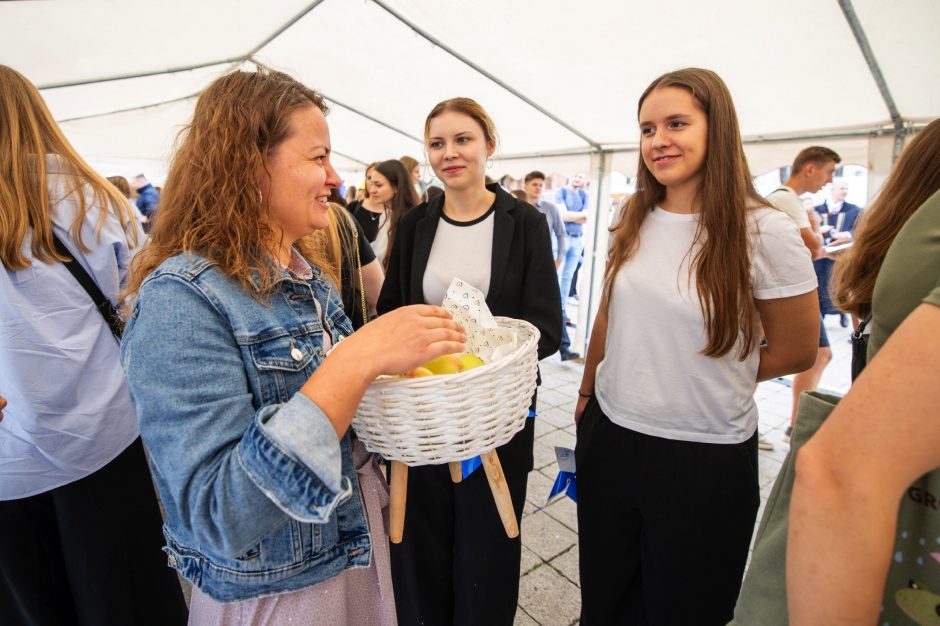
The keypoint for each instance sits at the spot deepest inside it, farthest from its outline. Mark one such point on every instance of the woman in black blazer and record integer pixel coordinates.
(455, 564)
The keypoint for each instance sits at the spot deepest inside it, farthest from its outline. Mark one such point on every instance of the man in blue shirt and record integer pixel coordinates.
(147, 199)
(574, 200)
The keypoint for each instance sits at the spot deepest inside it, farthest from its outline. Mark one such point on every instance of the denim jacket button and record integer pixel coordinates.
(296, 354)
(171, 560)
(356, 552)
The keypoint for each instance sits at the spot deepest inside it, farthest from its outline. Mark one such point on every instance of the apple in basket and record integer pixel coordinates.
(417, 373)
(452, 363)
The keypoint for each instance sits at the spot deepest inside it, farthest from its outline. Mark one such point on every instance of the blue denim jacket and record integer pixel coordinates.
(260, 495)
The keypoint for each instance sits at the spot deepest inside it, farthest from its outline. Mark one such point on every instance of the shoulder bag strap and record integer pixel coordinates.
(362, 288)
(355, 239)
(104, 306)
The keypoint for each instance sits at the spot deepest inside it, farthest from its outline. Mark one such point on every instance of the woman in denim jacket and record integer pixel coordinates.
(245, 416)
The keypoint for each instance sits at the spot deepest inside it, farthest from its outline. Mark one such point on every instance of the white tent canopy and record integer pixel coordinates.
(558, 79)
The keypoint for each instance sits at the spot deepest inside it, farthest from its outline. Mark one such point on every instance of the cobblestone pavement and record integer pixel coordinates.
(548, 592)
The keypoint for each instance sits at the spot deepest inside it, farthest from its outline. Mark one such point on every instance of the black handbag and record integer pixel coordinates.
(104, 306)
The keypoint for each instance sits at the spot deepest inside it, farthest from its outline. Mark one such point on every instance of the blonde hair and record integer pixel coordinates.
(332, 245)
(409, 162)
(212, 204)
(29, 133)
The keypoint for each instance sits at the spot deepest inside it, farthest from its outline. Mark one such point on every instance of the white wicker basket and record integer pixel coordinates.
(452, 417)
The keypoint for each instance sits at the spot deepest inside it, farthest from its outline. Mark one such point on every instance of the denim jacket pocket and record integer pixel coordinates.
(283, 363)
(286, 547)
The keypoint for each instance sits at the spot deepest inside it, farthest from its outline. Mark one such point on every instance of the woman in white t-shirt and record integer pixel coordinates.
(700, 270)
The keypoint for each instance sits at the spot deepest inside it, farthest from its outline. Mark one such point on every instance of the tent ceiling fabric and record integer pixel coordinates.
(794, 69)
(904, 35)
(55, 42)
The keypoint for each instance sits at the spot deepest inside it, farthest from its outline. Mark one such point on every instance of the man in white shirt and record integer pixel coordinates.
(812, 170)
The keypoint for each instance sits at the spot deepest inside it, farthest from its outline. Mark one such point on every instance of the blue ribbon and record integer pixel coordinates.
(471, 465)
(565, 483)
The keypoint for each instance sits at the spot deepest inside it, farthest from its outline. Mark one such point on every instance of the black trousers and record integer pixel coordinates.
(455, 564)
(89, 552)
(664, 525)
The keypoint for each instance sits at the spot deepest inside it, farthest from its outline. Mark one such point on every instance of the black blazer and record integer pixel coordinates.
(523, 279)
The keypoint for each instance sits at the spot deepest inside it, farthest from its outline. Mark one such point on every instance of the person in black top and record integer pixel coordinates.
(455, 564)
(390, 189)
(367, 211)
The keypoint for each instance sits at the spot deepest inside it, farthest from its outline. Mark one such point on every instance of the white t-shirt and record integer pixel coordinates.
(460, 250)
(786, 199)
(380, 245)
(654, 378)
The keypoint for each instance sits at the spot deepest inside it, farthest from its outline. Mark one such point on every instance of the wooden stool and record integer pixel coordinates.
(398, 489)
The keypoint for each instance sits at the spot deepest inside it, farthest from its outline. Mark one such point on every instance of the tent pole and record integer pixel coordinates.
(280, 31)
(856, 26)
(169, 70)
(440, 44)
(910, 128)
(595, 258)
(197, 66)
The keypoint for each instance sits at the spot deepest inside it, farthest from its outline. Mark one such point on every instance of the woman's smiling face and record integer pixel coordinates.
(673, 137)
(300, 177)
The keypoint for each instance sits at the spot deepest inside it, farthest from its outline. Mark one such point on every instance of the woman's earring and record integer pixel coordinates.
(489, 163)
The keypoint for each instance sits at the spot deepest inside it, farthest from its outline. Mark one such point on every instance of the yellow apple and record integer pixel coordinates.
(469, 361)
(447, 364)
(418, 372)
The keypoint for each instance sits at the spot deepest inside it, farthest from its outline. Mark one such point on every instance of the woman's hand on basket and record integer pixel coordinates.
(409, 336)
(395, 342)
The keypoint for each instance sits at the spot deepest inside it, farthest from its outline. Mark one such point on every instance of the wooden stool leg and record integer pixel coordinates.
(494, 474)
(456, 472)
(398, 495)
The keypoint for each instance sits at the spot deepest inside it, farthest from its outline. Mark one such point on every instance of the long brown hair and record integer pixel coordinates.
(916, 177)
(721, 264)
(212, 202)
(404, 198)
(28, 133)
